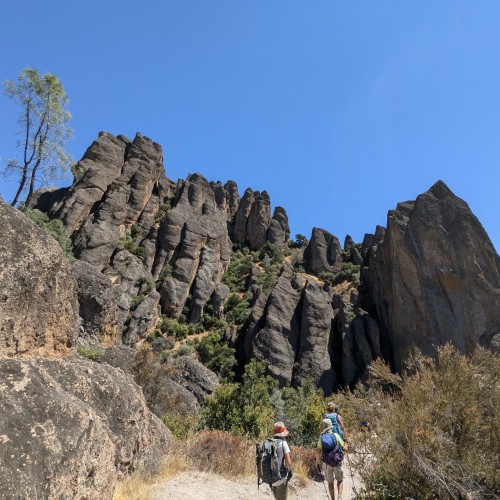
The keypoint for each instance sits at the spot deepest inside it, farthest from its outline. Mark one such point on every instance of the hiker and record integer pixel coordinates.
(332, 412)
(329, 451)
(280, 488)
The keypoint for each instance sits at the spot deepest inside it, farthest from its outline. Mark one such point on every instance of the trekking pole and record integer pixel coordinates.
(326, 490)
(351, 473)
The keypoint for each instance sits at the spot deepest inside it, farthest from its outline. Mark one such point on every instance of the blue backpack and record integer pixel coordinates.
(331, 451)
(336, 429)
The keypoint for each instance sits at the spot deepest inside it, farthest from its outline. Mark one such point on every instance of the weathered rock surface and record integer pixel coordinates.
(97, 305)
(178, 386)
(275, 336)
(38, 303)
(136, 297)
(195, 377)
(122, 183)
(315, 342)
(70, 427)
(323, 253)
(435, 278)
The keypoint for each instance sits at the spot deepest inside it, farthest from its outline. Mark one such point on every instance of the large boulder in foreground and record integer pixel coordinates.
(38, 301)
(435, 277)
(70, 427)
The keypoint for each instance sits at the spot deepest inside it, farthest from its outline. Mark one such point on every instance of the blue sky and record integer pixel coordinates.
(339, 109)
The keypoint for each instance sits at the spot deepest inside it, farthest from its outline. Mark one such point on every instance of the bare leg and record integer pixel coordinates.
(340, 487)
(331, 487)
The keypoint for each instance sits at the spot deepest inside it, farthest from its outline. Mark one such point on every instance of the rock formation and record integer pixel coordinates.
(323, 253)
(435, 277)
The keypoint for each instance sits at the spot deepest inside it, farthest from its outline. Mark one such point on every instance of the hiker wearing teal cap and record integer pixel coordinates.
(329, 454)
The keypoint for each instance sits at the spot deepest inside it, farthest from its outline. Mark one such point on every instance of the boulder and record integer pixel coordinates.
(38, 300)
(71, 427)
(435, 276)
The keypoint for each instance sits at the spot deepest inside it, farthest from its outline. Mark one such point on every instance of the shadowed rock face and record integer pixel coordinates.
(435, 278)
(71, 427)
(38, 301)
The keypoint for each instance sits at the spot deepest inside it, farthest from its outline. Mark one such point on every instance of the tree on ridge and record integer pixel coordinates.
(44, 130)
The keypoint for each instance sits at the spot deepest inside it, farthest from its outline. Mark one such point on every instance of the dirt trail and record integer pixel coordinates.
(197, 485)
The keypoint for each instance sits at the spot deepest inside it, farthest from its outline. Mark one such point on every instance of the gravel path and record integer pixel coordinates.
(197, 485)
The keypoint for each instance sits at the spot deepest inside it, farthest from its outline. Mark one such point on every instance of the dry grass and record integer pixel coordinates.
(141, 483)
(208, 451)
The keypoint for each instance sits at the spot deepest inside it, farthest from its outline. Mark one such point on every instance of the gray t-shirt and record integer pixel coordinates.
(283, 448)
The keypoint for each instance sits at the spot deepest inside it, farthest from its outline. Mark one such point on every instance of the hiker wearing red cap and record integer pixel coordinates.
(280, 488)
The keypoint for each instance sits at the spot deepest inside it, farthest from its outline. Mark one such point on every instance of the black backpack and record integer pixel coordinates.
(269, 468)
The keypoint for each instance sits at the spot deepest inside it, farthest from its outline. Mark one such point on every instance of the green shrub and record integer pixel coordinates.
(239, 268)
(91, 352)
(273, 251)
(348, 272)
(54, 227)
(210, 322)
(185, 350)
(242, 409)
(172, 326)
(238, 309)
(300, 241)
(181, 426)
(269, 276)
(130, 245)
(136, 302)
(438, 428)
(216, 355)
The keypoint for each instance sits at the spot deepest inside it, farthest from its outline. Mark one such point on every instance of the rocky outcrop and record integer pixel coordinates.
(275, 336)
(38, 301)
(121, 187)
(136, 297)
(195, 377)
(435, 277)
(315, 341)
(194, 243)
(71, 427)
(253, 224)
(323, 253)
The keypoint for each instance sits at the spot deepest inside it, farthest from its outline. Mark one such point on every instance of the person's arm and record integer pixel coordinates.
(317, 456)
(288, 461)
(339, 420)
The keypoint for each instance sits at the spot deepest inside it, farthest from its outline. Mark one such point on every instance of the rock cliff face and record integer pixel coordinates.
(177, 235)
(431, 277)
(38, 300)
(435, 277)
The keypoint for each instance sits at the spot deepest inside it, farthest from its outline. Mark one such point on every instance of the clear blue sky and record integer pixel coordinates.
(339, 109)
